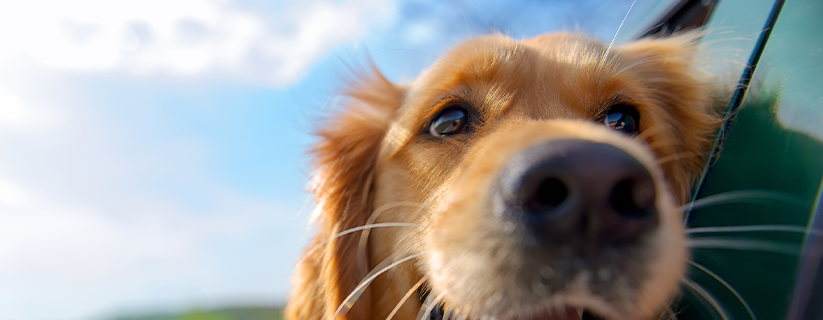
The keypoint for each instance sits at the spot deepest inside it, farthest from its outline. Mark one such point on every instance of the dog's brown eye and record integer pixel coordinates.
(449, 121)
(622, 120)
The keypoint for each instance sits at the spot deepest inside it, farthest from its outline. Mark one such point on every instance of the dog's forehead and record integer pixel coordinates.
(496, 70)
(548, 76)
(500, 58)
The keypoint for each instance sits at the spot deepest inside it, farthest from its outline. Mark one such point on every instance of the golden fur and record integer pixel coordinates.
(374, 166)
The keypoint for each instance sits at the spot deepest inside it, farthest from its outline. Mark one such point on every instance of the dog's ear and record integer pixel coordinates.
(345, 157)
(671, 67)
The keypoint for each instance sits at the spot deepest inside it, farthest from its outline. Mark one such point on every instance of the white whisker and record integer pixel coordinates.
(352, 298)
(406, 297)
(606, 54)
(727, 285)
(469, 30)
(731, 196)
(429, 306)
(350, 231)
(361, 246)
(755, 228)
(672, 314)
(745, 245)
(448, 314)
(707, 297)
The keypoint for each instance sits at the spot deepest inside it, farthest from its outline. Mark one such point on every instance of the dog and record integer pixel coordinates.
(534, 179)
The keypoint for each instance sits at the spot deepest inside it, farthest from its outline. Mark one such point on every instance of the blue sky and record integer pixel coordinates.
(152, 153)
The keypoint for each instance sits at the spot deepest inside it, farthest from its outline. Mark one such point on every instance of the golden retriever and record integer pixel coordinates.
(535, 179)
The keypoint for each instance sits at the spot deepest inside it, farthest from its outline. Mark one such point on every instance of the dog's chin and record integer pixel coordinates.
(566, 312)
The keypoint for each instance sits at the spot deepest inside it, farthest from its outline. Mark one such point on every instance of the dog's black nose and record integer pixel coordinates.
(579, 192)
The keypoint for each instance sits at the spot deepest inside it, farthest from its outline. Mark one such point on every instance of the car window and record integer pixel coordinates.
(750, 238)
(644, 17)
(731, 34)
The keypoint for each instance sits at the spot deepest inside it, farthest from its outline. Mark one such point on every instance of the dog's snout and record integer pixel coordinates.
(579, 192)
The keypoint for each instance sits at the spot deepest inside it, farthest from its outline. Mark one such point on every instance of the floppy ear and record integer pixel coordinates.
(345, 157)
(672, 68)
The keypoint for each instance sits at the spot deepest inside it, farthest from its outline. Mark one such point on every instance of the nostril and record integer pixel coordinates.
(549, 194)
(631, 199)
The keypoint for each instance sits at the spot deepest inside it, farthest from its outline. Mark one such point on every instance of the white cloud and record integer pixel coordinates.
(12, 195)
(183, 37)
(17, 114)
(87, 244)
(11, 108)
(73, 259)
(81, 245)
(89, 219)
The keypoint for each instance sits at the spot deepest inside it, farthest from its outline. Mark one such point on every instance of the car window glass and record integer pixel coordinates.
(643, 18)
(766, 182)
(731, 34)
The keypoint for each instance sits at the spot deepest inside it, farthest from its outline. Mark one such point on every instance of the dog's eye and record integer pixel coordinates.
(623, 120)
(449, 121)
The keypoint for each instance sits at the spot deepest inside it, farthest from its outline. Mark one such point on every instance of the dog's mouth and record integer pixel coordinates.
(567, 313)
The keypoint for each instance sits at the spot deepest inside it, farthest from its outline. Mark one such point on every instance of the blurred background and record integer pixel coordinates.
(152, 153)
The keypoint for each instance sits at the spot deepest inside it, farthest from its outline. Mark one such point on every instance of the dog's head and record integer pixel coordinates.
(514, 180)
